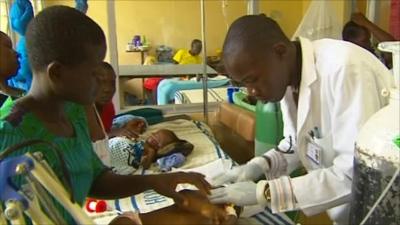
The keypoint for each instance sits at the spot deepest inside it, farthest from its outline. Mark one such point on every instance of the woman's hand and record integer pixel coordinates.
(165, 184)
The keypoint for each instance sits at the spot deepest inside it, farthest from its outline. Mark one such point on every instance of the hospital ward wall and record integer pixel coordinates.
(97, 11)
(175, 23)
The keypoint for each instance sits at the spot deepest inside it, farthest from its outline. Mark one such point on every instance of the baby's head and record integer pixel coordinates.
(161, 138)
(8, 58)
(106, 84)
(161, 143)
(66, 49)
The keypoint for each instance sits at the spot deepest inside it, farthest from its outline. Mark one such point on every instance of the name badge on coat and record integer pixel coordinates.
(314, 148)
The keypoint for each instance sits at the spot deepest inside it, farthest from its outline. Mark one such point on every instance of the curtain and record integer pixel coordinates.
(320, 21)
(394, 24)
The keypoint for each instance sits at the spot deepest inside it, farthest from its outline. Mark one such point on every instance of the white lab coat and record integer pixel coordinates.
(340, 89)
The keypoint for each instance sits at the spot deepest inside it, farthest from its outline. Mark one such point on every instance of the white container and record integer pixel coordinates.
(377, 158)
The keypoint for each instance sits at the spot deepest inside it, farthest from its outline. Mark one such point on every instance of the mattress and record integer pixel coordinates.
(196, 96)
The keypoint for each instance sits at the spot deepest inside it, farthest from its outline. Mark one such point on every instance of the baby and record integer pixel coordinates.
(127, 155)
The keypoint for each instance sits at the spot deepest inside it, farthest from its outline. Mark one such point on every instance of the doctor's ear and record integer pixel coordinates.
(280, 49)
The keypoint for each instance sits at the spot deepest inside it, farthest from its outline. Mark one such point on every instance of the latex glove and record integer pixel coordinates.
(240, 194)
(251, 171)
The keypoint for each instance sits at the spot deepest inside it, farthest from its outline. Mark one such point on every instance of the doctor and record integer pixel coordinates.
(328, 89)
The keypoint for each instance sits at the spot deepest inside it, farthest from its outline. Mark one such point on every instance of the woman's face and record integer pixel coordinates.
(8, 58)
(106, 86)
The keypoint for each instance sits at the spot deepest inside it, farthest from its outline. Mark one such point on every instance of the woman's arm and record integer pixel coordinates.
(111, 186)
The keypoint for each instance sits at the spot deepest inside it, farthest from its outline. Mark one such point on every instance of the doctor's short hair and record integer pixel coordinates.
(254, 33)
(63, 34)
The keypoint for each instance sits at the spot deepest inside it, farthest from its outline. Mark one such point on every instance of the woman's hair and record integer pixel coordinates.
(63, 34)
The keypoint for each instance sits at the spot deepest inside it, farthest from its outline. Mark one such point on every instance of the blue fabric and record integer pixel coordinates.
(23, 78)
(174, 160)
(20, 14)
(81, 5)
(166, 88)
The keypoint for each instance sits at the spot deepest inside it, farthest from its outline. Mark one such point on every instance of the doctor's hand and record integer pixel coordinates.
(240, 194)
(251, 171)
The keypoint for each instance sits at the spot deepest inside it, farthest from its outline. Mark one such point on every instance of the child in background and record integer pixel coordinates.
(65, 49)
(127, 155)
(192, 56)
(102, 125)
(129, 126)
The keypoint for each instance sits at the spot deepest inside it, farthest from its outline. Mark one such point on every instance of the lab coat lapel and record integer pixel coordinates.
(308, 77)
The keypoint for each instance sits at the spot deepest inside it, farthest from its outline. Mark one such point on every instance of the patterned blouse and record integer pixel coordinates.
(82, 163)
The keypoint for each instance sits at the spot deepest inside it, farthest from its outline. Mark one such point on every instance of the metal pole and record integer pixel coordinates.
(203, 38)
(253, 7)
(113, 49)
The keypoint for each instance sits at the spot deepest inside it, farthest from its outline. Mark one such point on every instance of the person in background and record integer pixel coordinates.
(101, 117)
(129, 126)
(358, 31)
(192, 56)
(8, 67)
(66, 49)
(328, 89)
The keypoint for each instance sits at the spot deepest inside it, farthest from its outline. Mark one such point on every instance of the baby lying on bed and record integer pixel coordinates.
(128, 155)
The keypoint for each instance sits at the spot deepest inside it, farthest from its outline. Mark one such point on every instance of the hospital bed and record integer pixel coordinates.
(196, 96)
(206, 156)
(168, 87)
